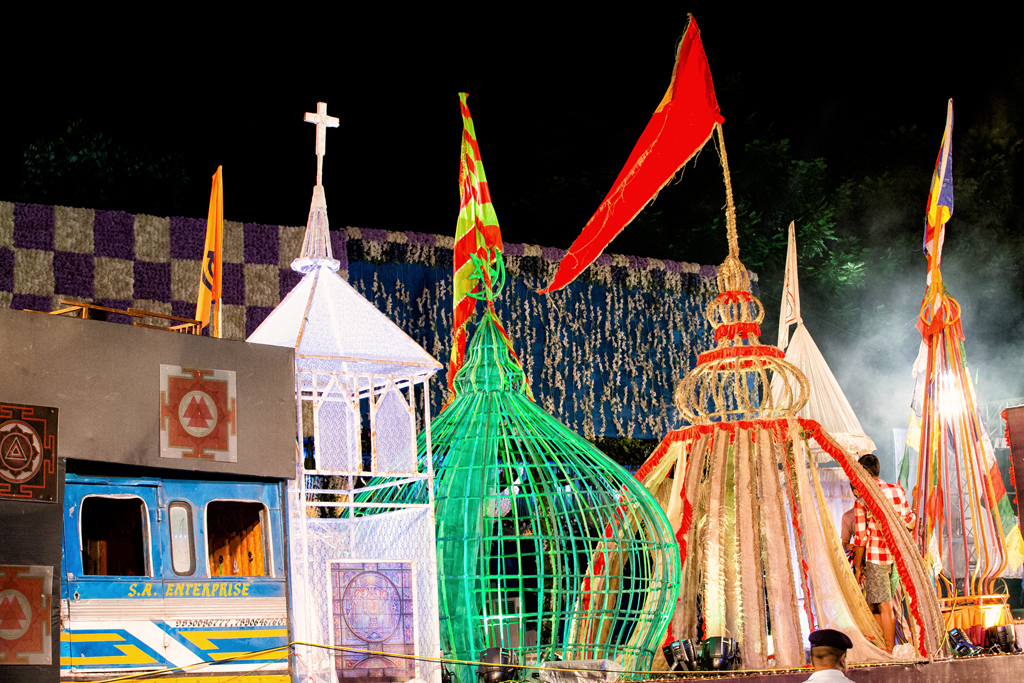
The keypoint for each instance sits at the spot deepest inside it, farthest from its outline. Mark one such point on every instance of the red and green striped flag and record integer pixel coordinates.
(476, 234)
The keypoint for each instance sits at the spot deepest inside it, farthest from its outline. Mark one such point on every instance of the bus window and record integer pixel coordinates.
(113, 536)
(235, 538)
(183, 553)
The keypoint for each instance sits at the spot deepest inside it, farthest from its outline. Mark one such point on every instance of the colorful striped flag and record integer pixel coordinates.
(940, 196)
(213, 252)
(476, 234)
(678, 129)
(934, 313)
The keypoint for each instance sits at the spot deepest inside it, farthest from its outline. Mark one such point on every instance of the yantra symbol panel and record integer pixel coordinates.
(25, 614)
(28, 452)
(197, 414)
(372, 617)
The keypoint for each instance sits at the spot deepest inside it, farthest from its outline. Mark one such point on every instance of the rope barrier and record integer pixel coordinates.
(655, 675)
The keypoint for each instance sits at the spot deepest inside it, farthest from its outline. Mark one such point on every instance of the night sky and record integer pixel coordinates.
(552, 93)
(555, 95)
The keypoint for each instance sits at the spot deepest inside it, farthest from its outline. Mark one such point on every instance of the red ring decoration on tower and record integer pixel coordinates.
(756, 351)
(737, 330)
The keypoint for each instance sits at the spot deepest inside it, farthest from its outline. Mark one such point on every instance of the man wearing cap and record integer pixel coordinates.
(828, 655)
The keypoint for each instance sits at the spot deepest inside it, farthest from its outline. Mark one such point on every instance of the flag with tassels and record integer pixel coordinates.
(213, 252)
(936, 309)
(678, 129)
(477, 264)
(968, 531)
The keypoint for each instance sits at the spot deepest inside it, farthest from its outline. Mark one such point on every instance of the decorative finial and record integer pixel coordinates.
(732, 381)
(316, 245)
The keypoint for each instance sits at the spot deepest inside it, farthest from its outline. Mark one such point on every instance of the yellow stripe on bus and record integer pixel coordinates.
(88, 637)
(281, 654)
(132, 655)
(234, 678)
(201, 639)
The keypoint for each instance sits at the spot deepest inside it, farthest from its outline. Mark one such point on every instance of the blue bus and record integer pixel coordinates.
(173, 571)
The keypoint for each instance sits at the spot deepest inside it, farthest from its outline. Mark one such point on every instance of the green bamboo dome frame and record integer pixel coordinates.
(544, 545)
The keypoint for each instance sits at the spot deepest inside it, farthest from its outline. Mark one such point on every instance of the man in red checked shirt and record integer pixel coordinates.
(872, 556)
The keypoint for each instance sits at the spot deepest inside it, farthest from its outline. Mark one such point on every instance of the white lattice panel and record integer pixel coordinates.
(337, 436)
(395, 433)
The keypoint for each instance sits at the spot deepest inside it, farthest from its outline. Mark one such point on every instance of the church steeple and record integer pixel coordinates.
(316, 246)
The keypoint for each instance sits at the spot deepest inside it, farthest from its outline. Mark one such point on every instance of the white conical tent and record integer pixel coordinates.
(827, 404)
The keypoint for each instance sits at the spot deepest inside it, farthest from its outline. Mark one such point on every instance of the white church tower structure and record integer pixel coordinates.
(363, 577)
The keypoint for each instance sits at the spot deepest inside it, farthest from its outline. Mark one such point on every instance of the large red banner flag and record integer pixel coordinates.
(476, 235)
(680, 126)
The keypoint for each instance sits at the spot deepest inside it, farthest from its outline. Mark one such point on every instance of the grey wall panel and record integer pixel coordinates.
(32, 533)
(105, 379)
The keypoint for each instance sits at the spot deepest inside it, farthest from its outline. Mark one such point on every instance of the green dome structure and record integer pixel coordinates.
(545, 546)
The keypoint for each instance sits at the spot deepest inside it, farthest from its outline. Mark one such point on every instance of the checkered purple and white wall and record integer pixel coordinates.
(120, 260)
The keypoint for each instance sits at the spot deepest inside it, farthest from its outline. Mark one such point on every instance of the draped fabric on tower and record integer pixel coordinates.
(742, 477)
(758, 544)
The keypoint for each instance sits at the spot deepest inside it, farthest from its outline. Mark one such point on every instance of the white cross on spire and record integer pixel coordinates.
(322, 121)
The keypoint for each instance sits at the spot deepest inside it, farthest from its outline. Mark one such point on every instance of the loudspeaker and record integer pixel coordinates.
(1002, 639)
(1015, 429)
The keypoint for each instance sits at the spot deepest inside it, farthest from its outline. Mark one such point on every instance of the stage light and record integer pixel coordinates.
(496, 667)
(960, 644)
(1003, 639)
(991, 615)
(950, 395)
(718, 654)
(681, 655)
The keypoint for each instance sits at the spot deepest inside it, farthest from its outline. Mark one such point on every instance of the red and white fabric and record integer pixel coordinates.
(866, 532)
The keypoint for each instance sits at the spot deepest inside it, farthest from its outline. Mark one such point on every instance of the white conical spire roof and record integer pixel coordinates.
(316, 245)
(330, 325)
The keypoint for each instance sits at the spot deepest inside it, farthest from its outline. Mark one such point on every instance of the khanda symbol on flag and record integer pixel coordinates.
(211, 275)
(477, 265)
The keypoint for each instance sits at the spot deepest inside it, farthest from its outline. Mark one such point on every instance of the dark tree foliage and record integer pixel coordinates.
(86, 167)
(629, 453)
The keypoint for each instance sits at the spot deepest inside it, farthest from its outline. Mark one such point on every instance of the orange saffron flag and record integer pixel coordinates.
(213, 252)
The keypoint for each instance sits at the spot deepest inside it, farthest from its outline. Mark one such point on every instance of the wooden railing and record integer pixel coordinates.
(183, 326)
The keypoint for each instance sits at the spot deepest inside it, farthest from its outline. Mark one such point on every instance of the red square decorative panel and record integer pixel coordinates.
(25, 593)
(197, 414)
(28, 452)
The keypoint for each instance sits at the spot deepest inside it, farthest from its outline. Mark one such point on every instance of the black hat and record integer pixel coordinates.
(828, 637)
